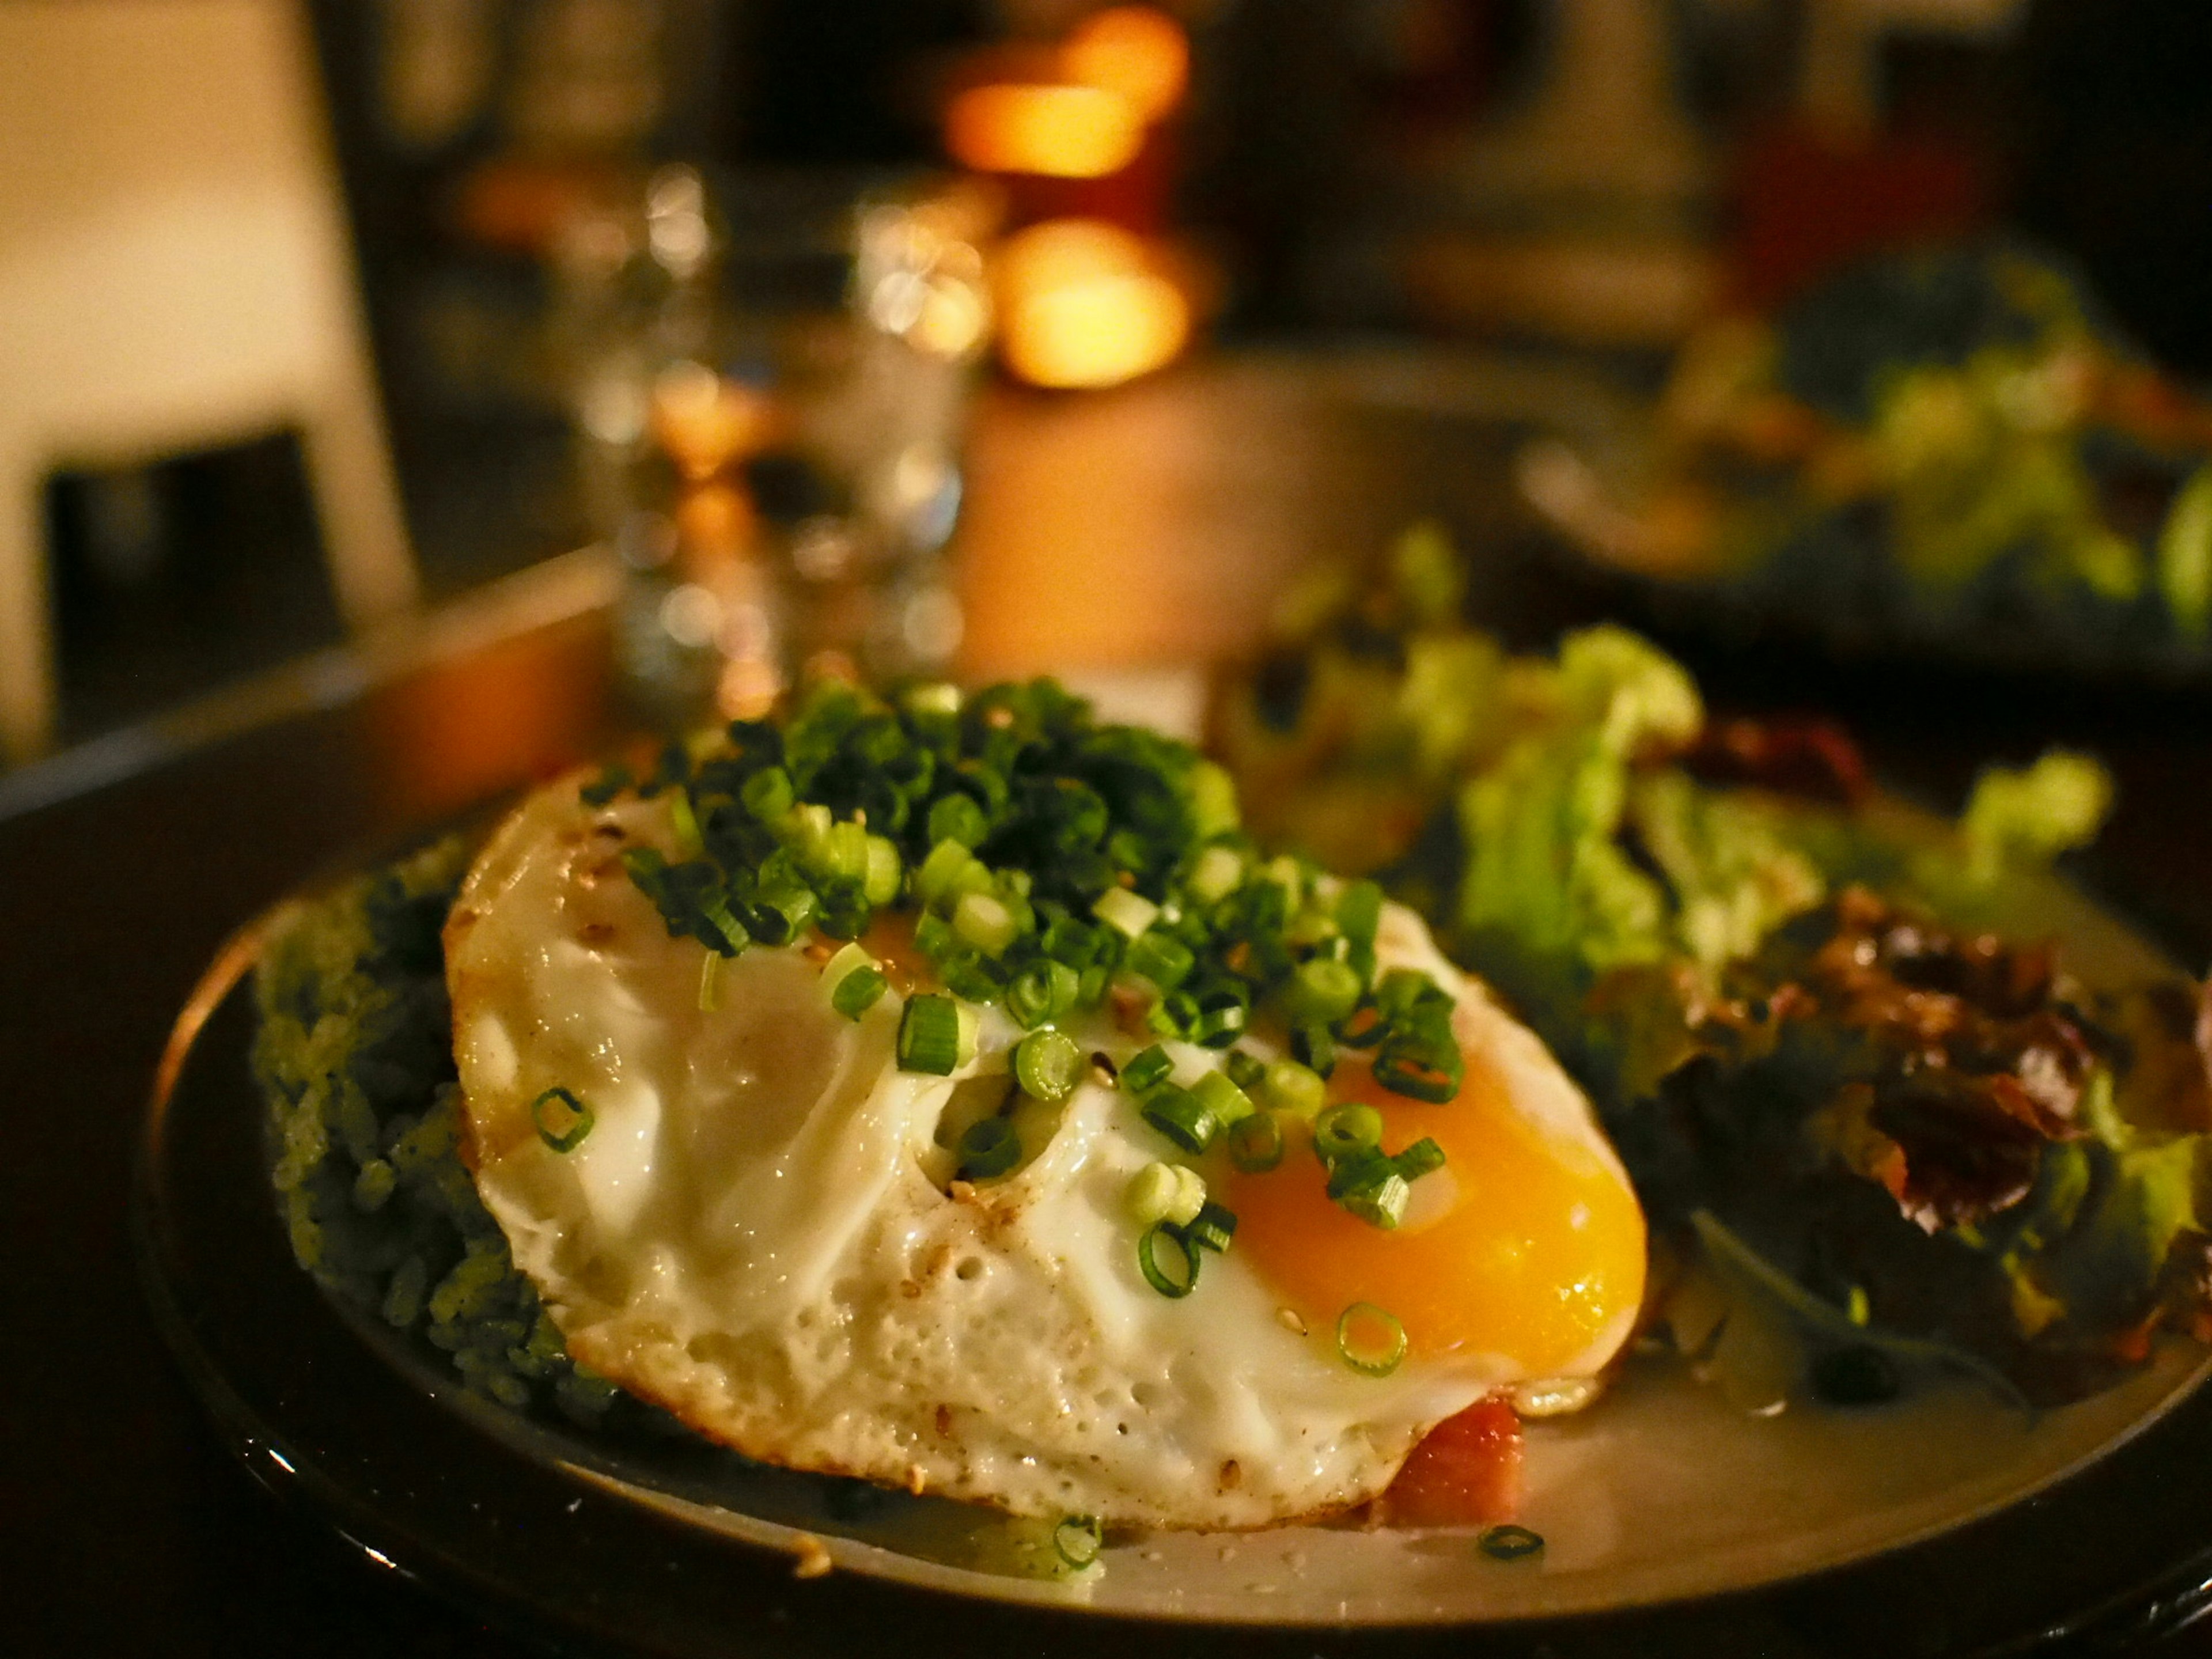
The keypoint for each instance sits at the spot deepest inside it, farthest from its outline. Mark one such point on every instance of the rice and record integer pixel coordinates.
(355, 1056)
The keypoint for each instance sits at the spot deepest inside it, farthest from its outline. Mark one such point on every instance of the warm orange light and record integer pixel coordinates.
(705, 422)
(1084, 307)
(1134, 51)
(1060, 131)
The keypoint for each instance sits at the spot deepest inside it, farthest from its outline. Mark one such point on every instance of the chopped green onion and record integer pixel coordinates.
(1255, 1143)
(1323, 992)
(1047, 1065)
(989, 1148)
(957, 818)
(859, 991)
(1165, 1192)
(880, 884)
(1213, 800)
(937, 697)
(1043, 992)
(710, 982)
(1509, 1543)
(1173, 1015)
(936, 1034)
(1221, 1097)
(1246, 1070)
(1359, 913)
(562, 1120)
(1419, 1073)
(1295, 1088)
(1175, 1283)
(1151, 1191)
(1218, 1026)
(984, 922)
(1161, 957)
(1219, 872)
(1345, 1131)
(767, 794)
(1364, 1027)
(1283, 871)
(1212, 1228)
(1378, 1194)
(844, 853)
(947, 862)
(1126, 912)
(1370, 1338)
(1421, 1158)
(848, 958)
(1146, 1071)
(1181, 1116)
(685, 823)
(1077, 1540)
(1315, 1046)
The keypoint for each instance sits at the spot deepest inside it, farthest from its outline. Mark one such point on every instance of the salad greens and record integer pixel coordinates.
(1791, 1000)
(1951, 445)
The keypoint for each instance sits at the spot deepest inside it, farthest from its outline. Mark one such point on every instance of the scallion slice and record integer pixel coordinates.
(990, 1147)
(685, 823)
(1047, 1064)
(710, 982)
(859, 991)
(1509, 1543)
(936, 1034)
(947, 862)
(1370, 1338)
(1419, 1073)
(1218, 1026)
(1380, 1202)
(562, 1120)
(1219, 873)
(1077, 1540)
(1181, 1116)
(1161, 957)
(1165, 1192)
(1347, 1130)
(1421, 1158)
(1295, 1089)
(1359, 912)
(1315, 1047)
(956, 817)
(1323, 992)
(1146, 1071)
(1246, 1070)
(1042, 992)
(880, 884)
(984, 922)
(1255, 1143)
(1221, 1097)
(1212, 1228)
(1126, 912)
(767, 794)
(1364, 1027)
(1161, 1240)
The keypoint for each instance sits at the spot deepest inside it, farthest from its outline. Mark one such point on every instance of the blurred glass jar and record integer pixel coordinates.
(769, 383)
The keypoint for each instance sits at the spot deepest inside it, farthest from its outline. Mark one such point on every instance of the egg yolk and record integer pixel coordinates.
(1530, 1253)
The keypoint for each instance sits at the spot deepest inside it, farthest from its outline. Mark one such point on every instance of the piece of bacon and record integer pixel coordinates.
(1467, 1472)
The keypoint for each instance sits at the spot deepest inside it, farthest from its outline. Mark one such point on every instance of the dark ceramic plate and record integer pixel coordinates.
(1947, 1524)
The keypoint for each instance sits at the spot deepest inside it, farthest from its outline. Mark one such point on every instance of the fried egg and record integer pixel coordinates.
(760, 1233)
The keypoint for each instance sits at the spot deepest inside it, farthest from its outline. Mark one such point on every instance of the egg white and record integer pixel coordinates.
(755, 1233)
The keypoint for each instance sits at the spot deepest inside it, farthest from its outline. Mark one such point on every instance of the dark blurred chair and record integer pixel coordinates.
(175, 274)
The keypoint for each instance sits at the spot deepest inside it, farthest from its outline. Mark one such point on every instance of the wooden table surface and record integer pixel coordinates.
(1147, 526)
